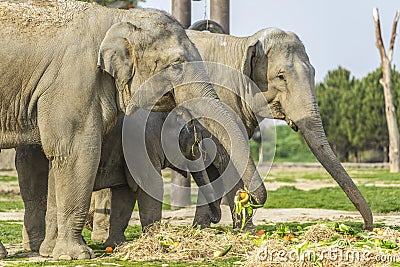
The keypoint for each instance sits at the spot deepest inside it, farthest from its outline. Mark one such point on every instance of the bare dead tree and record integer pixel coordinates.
(386, 82)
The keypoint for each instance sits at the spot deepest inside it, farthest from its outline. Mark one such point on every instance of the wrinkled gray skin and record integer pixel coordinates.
(3, 251)
(65, 82)
(278, 64)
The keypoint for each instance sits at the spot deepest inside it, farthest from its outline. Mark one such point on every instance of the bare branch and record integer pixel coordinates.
(379, 41)
(394, 28)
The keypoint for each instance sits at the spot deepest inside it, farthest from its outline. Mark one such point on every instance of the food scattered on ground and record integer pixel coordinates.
(163, 241)
(325, 244)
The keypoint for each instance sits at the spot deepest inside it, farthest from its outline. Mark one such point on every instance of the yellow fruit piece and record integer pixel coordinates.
(109, 249)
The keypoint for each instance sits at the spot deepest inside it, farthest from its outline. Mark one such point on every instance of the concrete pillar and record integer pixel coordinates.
(219, 12)
(182, 11)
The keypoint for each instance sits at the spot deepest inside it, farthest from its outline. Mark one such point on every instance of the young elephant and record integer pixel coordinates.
(67, 76)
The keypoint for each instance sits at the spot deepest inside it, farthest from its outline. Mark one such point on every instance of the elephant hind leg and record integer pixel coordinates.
(33, 170)
(101, 215)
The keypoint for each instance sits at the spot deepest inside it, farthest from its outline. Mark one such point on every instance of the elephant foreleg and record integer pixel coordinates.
(74, 165)
(123, 200)
(206, 200)
(150, 208)
(33, 168)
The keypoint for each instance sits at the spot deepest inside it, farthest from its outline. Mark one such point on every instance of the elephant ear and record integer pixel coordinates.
(255, 64)
(116, 54)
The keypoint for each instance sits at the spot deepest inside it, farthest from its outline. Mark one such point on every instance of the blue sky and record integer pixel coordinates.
(339, 32)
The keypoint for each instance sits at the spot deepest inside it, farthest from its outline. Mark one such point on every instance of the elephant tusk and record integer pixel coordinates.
(291, 124)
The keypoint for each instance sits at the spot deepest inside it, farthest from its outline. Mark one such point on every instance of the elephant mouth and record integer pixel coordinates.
(279, 114)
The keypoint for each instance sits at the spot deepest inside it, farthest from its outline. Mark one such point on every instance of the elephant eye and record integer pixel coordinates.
(281, 76)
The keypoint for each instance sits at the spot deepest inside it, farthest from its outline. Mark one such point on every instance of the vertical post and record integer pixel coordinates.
(180, 185)
(182, 11)
(219, 12)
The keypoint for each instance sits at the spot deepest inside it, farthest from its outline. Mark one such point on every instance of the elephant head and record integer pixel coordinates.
(278, 63)
(132, 52)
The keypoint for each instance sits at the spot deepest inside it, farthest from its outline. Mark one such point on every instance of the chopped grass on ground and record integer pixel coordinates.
(334, 198)
(173, 242)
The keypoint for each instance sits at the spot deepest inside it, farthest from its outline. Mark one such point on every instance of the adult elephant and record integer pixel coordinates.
(67, 76)
(276, 61)
(278, 64)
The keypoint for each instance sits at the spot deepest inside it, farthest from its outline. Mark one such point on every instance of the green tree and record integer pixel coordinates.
(371, 131)
(335, 97)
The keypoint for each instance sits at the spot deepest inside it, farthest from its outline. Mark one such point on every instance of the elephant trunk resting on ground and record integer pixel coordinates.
(278, 64)
(65, 79)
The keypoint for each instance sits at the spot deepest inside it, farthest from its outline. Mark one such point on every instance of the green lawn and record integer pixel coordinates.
(380, 199)
(8, 178)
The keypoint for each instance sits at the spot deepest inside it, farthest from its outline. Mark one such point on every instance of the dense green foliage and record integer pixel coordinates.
(353, 114)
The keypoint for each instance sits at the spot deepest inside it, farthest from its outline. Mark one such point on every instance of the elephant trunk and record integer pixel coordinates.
(215, 117)
(313, 132)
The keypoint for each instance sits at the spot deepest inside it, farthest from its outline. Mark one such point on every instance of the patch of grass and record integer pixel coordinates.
(376, 174)
(283, 180)
(334, 198)
(8, 178)
(11, 205)
(11, 232)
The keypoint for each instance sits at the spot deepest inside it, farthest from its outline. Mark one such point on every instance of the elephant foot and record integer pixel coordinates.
(30, 243)
(115, 241)
(47, 246)
(72, 250)
(3, 251)
(216, 213)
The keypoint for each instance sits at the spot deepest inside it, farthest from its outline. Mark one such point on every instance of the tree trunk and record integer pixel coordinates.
(386, 82)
